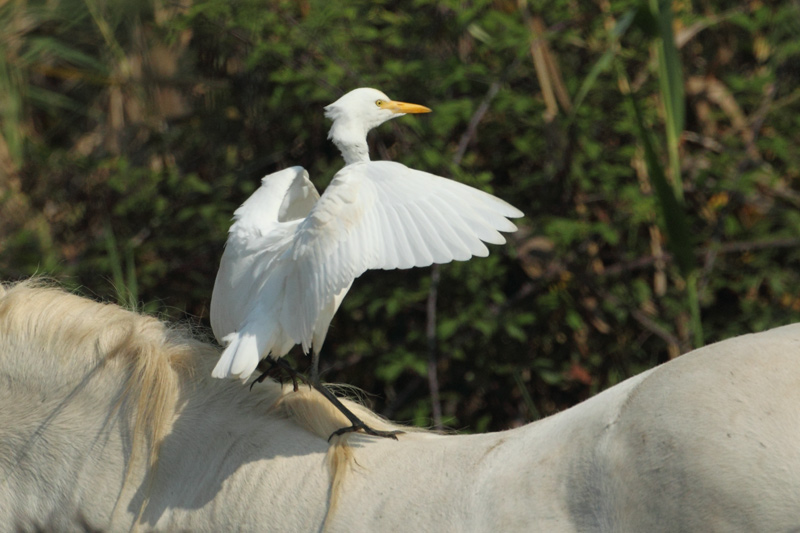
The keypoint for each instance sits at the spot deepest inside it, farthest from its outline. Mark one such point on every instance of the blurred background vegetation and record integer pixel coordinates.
(653, 146)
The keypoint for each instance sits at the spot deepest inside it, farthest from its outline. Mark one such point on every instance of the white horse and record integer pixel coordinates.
(110, 421)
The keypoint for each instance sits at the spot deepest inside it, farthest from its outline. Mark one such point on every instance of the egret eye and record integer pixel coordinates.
(379, 103)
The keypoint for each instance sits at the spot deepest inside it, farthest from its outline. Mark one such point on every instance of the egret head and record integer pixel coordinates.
(369, 107)
(357, 112)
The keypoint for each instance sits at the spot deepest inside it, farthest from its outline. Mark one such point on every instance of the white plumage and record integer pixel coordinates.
(292, 255)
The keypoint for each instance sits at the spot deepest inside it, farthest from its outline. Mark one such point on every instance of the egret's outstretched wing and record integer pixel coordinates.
(382, 215)
(258, 235)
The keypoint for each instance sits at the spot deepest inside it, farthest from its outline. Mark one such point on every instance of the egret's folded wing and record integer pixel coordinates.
(263, 227)
(301, 196)
(247, 267)
(385, 215)
(283, 196)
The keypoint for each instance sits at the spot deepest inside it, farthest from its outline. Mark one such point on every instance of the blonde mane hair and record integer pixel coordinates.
(152, 361)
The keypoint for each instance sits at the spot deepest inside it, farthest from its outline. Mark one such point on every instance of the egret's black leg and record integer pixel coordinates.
(281, 365)
(315, 367)
(357, 423)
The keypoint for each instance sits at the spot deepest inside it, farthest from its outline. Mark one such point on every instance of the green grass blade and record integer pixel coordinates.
(11, 127)
(694, 309)
(132, 287)
(526, 396)
(670, 79)
(115, 265)
(676, 221)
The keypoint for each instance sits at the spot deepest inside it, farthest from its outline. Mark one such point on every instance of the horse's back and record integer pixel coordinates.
(710, 441)
(707, 442)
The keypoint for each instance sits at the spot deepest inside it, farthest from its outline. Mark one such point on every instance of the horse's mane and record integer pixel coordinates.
(75, 338)
(152, 361)
(153, 356)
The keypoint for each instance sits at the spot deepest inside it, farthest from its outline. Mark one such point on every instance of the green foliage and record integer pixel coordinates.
(132, 130)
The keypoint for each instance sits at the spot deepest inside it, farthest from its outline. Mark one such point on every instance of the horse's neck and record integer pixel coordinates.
(61, 453)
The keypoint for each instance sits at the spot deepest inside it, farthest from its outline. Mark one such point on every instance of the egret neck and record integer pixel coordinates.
(350, 137)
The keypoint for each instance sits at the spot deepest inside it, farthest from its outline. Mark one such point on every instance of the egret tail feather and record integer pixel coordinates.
(240, 358)
(223, 367)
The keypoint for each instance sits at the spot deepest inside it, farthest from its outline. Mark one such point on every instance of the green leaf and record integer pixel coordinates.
(604, 62)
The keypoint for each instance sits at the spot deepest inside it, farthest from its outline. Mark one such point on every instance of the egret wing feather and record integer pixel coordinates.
(301, 196)
(283, 196)
(382, 215)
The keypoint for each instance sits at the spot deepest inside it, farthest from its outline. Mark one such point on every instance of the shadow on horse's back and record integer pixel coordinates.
(108, 419)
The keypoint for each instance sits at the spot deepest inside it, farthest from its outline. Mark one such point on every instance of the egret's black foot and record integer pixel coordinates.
(366, 429)
(281, 366)
(358, 425)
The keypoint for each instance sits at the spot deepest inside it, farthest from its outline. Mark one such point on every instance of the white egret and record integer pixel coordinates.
(292, 255)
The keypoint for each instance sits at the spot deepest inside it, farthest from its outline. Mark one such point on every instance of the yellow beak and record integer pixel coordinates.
(403, 107)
